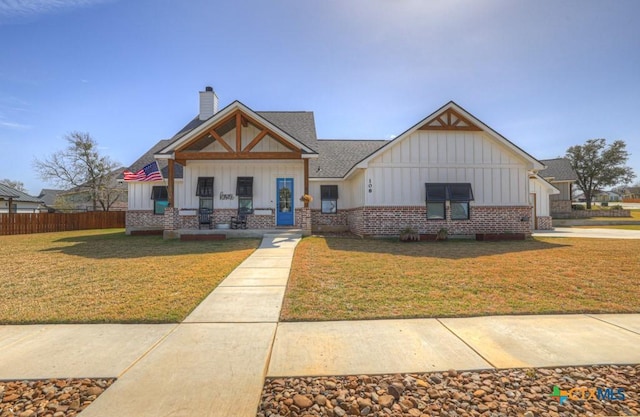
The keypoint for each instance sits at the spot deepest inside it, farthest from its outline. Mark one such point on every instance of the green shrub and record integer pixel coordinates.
(577, 207)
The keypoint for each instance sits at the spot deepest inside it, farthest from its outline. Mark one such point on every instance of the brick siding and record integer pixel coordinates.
(338, 222)
(544, 223)
(388, 221)
(363, 221)
(143, 219)
(584, 214)
(560, 206)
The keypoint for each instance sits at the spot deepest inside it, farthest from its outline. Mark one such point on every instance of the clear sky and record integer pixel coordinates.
(547, 74)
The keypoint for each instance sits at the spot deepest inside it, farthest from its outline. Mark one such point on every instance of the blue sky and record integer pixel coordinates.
(545, 74)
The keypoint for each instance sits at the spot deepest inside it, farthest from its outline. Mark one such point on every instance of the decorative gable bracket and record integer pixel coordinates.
(449, 120)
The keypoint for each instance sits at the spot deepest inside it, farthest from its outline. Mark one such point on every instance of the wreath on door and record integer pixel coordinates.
(285, 199)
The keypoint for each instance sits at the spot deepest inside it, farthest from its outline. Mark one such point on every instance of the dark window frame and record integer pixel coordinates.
(329, 194)
(204, 187)
(244, 187)
(160, 197)
(205, 190)
(458, 193)
(244, 192)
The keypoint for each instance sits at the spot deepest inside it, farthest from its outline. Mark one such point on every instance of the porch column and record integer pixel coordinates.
(170, 183)
(306, 180)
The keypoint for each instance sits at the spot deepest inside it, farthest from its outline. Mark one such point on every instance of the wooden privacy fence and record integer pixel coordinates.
(25, 223)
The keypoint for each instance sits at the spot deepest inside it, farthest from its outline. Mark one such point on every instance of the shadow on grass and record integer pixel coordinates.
(449, 249)
(120, 245)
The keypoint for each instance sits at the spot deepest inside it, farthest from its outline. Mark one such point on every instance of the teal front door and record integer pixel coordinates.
(284, 197)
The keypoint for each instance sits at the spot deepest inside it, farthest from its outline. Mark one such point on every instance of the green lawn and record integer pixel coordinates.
(104, 276)
(337, 278)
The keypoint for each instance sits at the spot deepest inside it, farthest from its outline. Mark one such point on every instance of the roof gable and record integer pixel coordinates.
(222, 122)
(453, 117)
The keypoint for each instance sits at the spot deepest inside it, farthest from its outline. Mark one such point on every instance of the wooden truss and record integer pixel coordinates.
(450, 120)
(190, 151)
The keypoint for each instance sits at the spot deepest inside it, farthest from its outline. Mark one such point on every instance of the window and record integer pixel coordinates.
(458, 194)
(436, 197)
(160, 197)
(205, 187)
(204, 190)
(329, 199)
(244, 191)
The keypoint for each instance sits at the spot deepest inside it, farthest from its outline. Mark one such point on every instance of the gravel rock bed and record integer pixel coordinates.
(510, 392)
(49, 398)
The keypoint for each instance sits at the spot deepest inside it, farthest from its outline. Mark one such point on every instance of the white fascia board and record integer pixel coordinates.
(325, 179)
(309, 155)
(164, 155)
(547, 184)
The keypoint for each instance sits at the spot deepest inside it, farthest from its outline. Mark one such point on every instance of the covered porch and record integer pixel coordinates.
(236, 162)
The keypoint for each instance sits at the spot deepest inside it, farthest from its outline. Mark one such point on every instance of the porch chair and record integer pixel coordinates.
(204, 218)
(240, 220)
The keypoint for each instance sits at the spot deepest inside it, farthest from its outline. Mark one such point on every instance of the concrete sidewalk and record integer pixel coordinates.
(215, 362)
(422, 345)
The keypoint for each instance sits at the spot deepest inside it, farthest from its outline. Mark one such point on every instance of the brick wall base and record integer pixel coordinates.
(557, 207)
(143, 220)
(338, 222)
(362, 221)
(544, 223)
(584, 214)
(388, 221)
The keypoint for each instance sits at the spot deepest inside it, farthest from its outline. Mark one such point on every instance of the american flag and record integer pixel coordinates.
(148, 173)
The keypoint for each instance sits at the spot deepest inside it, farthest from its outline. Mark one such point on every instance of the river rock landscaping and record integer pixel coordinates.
(49, 398)
(509, 392)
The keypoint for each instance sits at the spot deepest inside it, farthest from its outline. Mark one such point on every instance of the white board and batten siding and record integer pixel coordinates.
(350, 192)
(498, 176)
(139, 197)
(225, 175)
(543, 190)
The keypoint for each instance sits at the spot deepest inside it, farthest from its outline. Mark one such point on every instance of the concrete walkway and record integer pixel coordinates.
(214, 363)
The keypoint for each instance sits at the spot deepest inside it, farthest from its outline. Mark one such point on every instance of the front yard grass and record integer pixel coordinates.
(337, 278)
(98, 276)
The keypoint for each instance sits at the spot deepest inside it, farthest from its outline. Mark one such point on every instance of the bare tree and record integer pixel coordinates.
(81, 168)
(16, 185)
(598, 165)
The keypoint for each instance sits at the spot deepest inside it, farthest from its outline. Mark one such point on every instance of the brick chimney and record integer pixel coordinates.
(208, 103)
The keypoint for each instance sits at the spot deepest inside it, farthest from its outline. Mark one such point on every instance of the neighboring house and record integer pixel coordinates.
(112, 196)
(14, 201)
(49, 198)
(607, 196)
(601, 197)
(561, 175)
(631, 193)
(449, 170)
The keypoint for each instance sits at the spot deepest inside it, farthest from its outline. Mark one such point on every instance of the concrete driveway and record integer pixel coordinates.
(588, 233)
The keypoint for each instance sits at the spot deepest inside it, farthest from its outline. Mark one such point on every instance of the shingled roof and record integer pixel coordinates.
(299, 124)
(558, 169)
(7, 192)
(337, 157)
